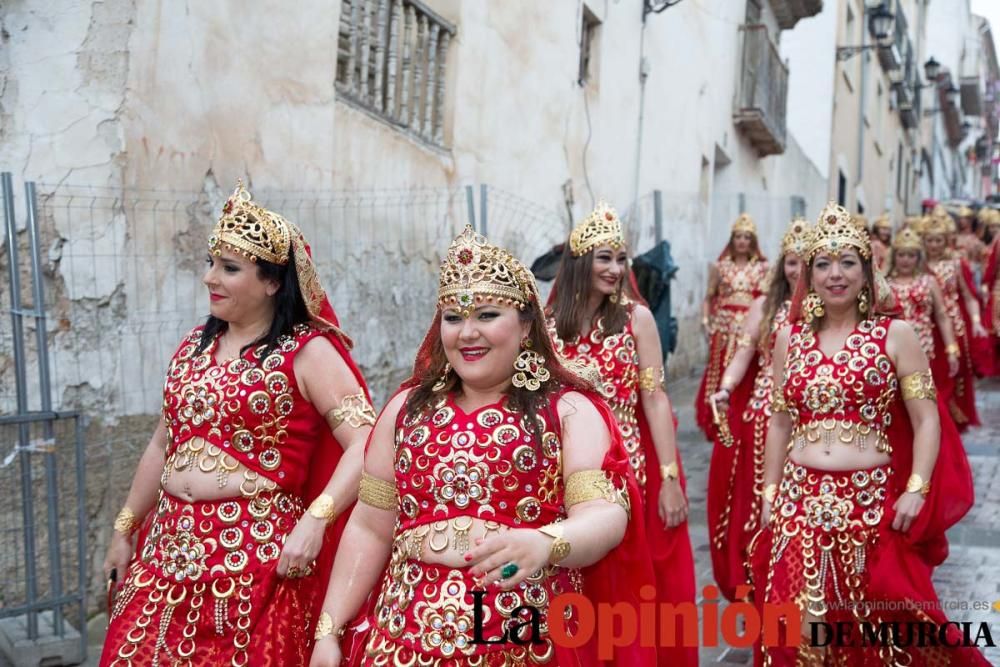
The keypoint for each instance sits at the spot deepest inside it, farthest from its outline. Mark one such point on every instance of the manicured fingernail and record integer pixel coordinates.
(468, 557)
(479, 541)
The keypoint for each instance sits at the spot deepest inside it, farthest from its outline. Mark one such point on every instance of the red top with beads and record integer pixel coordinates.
(854, 388)
(485, 464)
(917, 305)
(250, 407)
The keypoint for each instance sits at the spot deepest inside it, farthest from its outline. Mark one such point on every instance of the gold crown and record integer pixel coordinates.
(835, 230)
(966, 212)
(860, 219)
(882, 222)
(938, 222)
(796, 237)
(476, 271)
(744, 223)
(251, 230)
(907, 239)
(989, 216)
(601, 227)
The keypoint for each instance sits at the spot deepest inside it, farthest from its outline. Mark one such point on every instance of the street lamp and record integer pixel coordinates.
(880, 23)
(932, 69)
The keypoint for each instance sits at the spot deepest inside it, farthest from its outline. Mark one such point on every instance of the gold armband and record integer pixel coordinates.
(593, 484)
(916, 484)
(126, 522)
(324, 627)
(378, 493)
(670, 471)
(652, 379)
(322, 508)
(561, 547)
(918, 385)
(770, 492)
(354, 409)
(778, 401)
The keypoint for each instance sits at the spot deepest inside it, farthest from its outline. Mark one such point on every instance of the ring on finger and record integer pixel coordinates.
(508, 570)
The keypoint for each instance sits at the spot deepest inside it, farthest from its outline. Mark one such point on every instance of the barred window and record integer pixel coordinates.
(391, 61)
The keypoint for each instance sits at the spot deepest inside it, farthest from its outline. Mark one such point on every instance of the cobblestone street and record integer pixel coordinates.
(972, 571)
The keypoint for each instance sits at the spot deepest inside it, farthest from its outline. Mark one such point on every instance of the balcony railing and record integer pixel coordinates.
(391, 61)
(790, 12)
(763, 93)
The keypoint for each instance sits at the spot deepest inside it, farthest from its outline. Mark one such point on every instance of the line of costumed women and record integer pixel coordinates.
(258, 451)
(734, 281)
(955, 277)
(990, 292)
(494, 482)
(863, 472)
(920, 302)
(597, 321)
(736, 469)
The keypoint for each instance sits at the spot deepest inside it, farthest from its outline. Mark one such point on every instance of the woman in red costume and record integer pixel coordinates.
(736, 471)
(954, 275)
(881, 236)
(494, 481)
(990, 291)
(594, 323)
(863, 476)
(258, 451)
(968, 245)
(734, 281)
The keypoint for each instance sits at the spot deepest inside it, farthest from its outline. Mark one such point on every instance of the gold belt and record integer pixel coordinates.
(850, 433)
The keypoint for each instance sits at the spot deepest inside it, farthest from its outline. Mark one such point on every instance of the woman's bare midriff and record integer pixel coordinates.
(198, 470)
(844, 452)
(445, 542)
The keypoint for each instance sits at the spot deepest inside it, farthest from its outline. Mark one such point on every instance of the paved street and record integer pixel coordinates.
(972, 571)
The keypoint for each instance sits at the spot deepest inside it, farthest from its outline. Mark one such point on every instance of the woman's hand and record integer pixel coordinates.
(907, 508)
(721, 400)
(953, 365)
(525, 547)
(118, 556)
(673, 505)
(765, 513)
(326, 653)
(301, 547)
(978, 330)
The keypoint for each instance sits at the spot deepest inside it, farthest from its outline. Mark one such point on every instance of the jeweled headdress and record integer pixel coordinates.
(882, 222)
(938, 222)
(907, 239)
(251, 230)
(601, 227)
(966, 212)
(796, 238)
(476, 271)
(835, 231)
(860, 220)
(989, 216)
(744, 223)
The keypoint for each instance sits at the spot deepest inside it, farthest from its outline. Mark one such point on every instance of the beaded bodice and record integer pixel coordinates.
(739, 285)
(250, 407)
(616, 358)
(485, 464)
(948, 272)
(917, 306)
(764, 381)
(852, 390)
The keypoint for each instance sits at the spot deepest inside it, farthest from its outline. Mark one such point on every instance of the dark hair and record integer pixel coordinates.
(521, 400)
(574, 282)
(289, 308)
(921, 267)
(754, 253)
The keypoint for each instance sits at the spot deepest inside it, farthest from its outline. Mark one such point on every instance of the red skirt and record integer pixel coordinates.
(203, 589)
(727, 322)
(735, 478)
(425, 615)
(828, 533)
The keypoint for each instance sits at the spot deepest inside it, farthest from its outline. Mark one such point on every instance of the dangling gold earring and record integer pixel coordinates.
(812, 307)
(443, 380)
(863, 301)
(529, 367)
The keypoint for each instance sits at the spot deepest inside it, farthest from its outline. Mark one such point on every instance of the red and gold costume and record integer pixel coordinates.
(969, 246)
(505, 468)
(829, 549)
(203, 587)
(986, 360)
(738, 286)
(880, 250)
(736, 469)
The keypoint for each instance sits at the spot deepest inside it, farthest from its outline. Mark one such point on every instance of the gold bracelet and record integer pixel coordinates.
(322, 508)
(378, 493)
(560, 546)
(918, 385)
(324, 627)
(126, 522)
(669, 470)
(952, 350)
(916, 484)
(770, 492)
